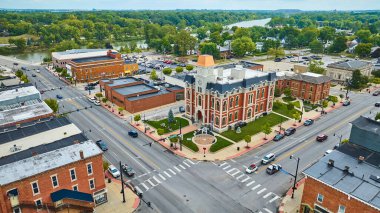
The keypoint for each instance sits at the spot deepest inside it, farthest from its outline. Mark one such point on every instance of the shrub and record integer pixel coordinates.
(189, 67)
(167, 71)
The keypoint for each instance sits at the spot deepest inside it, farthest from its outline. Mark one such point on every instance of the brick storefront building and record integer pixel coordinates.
(135, 95)
(347, 180)
(306, 86)
(50, 166)
(96, 68)
(222, 97)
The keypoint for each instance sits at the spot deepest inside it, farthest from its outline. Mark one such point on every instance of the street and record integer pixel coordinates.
(175, 184)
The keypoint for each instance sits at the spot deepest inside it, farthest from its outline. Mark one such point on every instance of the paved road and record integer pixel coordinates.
(175, 184)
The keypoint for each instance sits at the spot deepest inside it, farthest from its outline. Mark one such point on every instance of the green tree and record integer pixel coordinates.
(104, 100)
(325, 103)
(316, 67)
(377, 117)
(167, 71)
(316, 47)
(153, 75)
(338, 45)
(290, 106)
(278, 52)
(288, 92)
(137, 118)
(20, 43)
(363, 50)
(98, 95)
(296, 116)
(364, 35)
(24, 78)
(277, 92)
(184, 42)
(120, 109)
(179, 69)
(170, 117)
(210, 49)
(247, 139)
(174, 140)
(241, 46)
(216, 38)
(326, 34)
(242, 32)
(266, 130)
(358, 80)
(19, 73)
(189, 67)
(201, 33)
(53, 104)
(160, 131)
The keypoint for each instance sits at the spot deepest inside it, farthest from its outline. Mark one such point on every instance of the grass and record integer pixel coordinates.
(288, 99)
(220, 144)
(308, 106)
(297, 104)
(4, 40)
(254, 127)
(283, 109)
(187, 141)
(173, 127)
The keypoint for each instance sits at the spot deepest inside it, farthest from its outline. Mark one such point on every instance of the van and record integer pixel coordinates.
(268, 158)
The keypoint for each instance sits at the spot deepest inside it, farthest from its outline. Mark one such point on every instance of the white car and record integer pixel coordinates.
(113, 171)
(38, 71)
(252, 168)
(327, 152)
(93, 99)
(97, 103)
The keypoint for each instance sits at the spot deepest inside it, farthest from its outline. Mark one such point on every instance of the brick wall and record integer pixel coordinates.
(45, 184)
(149, 103)
(332, 198)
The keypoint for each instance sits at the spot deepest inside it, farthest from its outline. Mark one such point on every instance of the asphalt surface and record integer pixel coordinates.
(174, 184)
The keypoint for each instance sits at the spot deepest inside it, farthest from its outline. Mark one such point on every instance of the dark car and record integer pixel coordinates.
(321, 138)
(89, 88)
(290, 131)
(273, 168)
(34, 75)
(240, 124)
(278, 137)
(377, 104)
(376, 93)
(59, 96)
(102, 145)
(308, 122)
(277, 60)
(346, 103)
(127, 170)
(133, 133)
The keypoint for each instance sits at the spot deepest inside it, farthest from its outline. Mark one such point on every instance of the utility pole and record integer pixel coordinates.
(295, 176)
(180, 133)
(122, 182)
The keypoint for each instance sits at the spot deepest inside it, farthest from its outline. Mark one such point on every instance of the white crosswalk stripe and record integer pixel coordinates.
(267, 195)
(182, 166)
(156, 179)
(167, 174)
(261, 191)
(146, 188)
(186, 164)
(172, 171)
(255, 187)
(162, 177)
(267, 210)
(138, 189)
(150, 182)
(273, 199)
(224, 163)
(177, 169)
(228, 166)
(250, 183)
(238, 177)
(245, 179)
(233, 174)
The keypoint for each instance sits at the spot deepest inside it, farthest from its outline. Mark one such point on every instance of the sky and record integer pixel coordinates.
(193, 4)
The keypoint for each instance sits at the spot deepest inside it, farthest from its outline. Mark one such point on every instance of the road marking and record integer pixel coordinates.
(146, 188)
(186, 164)
(228, 166)
(261, 191)
(188, 160)
(273, 199)
(247, 178)
(237, 178)
(138, 189)
(233, 169)
(267, 195)
(162, 177)
(167, 174)
(267, 210)
(156, 179)
(255, 187)
(142, 175)
(172, 171)
(233, 160)
(150, 182)
(177, 169)
(182, 166)
(238, 171)
(224, 163)
(250, 183)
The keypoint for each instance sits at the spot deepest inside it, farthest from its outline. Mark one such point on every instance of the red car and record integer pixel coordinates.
(321, 138)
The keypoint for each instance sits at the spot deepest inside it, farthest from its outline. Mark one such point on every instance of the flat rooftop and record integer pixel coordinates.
(79, 53)
(121, 81)
(134, 89)
(17, 93)
(140, 97)
(92, 59)
(37, 164)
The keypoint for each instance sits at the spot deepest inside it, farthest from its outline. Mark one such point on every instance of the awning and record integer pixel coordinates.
(70, 194)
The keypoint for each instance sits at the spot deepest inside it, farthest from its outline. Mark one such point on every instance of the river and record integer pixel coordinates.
(258, 22)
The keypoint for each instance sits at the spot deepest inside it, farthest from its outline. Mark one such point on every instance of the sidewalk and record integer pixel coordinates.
(292, 205)
(115, 201)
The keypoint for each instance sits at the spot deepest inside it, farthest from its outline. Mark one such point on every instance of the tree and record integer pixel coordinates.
(210, 49)
(189, 67)
(120, 109)
(247, 139)
(24, 78)
(267, 130)
(170, 117)
(104, 100)
(363, 50)
(290, 106)
(174, 140)
(20, 43)
(316, 67)
(201, 33)
(179, 69)
(160, 132)
(288, 92)
(277, 92)
(241, 46)
(53, 104)
(19, 73)
(216, 38)
(326, 34)
(325, 103)
(184, 42)
(358, 80)
(137, 118)
(316, 47)
(99, 95)
(276, 52)
(338, 45)
(364, 36)
(167, 71)
(153, 75)
(296, 116)
(269, 43)
(242, 32)
(377, 117)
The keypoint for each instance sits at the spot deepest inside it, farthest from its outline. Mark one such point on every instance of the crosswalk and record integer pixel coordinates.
(73, 98)
(162, 176)
(250, 183)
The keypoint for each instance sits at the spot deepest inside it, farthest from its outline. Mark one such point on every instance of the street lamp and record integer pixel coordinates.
(295, 176)
(204, 151)
(340, 137)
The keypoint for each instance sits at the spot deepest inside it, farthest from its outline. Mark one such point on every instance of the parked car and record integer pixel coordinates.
(376, 93)
(277, 60)
(102, 145)
(59, 96)
(240, 124)
(346, 103)
(377, 104)
(127, 170)
(113, 171)
(308, 122)
(278, 137)
(268, 158)
(290, 131)
(92, 99)
(89, 88)
(321, 138)
(23, 68)
(97, 103)
(38, 71)
(133, 133)
(34, 75)
(250, 169)
(273, 168)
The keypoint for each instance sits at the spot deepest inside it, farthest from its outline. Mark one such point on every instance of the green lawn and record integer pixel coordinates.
(283, 109)
(288, 99)
(173, 127)
(254, 127)
(297, 104)
(187, 141)
(308, 106)
(220, 144)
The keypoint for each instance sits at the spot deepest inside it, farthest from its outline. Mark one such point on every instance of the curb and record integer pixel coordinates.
(289, 193)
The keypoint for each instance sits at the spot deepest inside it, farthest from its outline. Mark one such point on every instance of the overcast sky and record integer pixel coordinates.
(194, 4)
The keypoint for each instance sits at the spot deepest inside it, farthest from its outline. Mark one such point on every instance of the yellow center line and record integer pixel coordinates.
(311, 141)
(120, 138)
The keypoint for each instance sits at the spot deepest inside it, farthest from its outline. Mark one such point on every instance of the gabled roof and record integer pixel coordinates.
(350, 65)
(70, 194)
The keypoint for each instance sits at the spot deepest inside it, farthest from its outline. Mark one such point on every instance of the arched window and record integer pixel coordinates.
(231, 102)
(212, 103)
(261, 107)
(217, 105)
(224, 105)
(188, 94)
(217, 121)
(249, 113)
(223, 121)
(199, 100)
(229, 117)
(271, 91)
(237, 101)
(270, 105)
(263, 93)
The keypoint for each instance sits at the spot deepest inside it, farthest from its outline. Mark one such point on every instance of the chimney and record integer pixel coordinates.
(81, 154)
(361, 159)
(331, 163)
